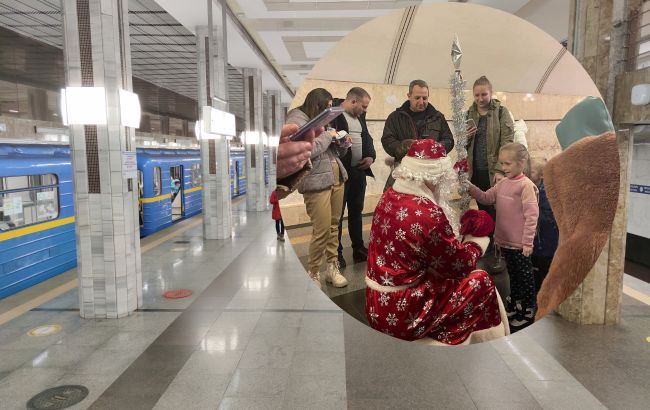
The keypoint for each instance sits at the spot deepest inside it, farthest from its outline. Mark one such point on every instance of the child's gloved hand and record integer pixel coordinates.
(476, 223)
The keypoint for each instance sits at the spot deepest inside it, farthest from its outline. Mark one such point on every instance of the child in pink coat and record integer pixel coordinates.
(515, 198)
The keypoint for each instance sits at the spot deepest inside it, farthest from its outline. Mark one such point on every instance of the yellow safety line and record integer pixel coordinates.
(37, 301)
(35, 228)
(58, 291)
(156, 198)
(633, 293)
(196, 188)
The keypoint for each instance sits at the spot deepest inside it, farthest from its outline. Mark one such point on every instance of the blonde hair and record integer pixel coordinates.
(482, 80)
(520, 153)
(538, 163)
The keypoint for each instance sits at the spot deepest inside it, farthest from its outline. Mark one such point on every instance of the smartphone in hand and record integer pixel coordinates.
(469, 124)
(318, 121)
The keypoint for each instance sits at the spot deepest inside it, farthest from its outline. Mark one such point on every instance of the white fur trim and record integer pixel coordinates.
(422, 169)
(483, 242)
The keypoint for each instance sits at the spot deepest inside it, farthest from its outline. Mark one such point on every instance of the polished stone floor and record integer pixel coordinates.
(257, 334)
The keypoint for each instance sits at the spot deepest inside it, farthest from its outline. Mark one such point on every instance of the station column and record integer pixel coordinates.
(215, 157)
(97, 54)
(275, 120)
(256, 199)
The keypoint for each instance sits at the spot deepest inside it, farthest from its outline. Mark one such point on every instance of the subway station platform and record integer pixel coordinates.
(256, 334)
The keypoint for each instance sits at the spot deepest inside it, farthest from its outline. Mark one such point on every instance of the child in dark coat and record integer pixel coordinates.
(548, 233)
(277, 216)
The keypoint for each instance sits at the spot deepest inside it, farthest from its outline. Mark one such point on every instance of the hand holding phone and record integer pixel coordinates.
(470, 128)
(318, 121)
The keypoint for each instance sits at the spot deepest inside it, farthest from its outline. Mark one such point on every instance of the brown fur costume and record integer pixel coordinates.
(582, 184)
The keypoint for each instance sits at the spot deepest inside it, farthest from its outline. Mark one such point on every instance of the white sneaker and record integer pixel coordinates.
(334, 276)
(316, 278)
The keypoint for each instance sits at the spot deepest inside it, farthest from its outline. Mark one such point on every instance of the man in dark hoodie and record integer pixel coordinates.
(357, 163)
(415, 119)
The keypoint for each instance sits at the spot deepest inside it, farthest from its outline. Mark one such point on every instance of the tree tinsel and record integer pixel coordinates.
(457, 87)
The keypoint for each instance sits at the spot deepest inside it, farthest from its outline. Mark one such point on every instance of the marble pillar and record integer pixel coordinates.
(97, 54)
(275, 119)
(215, 167)
(256, 199)
(597, 32)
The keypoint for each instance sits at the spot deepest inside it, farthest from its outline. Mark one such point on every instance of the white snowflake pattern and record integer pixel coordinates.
(437, 262)
(402, 214)
(434, 238)
(402, 255)
(416, 228)
(420, 200)
(457, 265)
(435, 212)
(413, 265)
(468, 310)
(372, 236)
(392, 319)
(448, 230)
(486, 280)
(398, 196)
(463, 326)
(419, 331)
(388, 207)
(428, 304)
(373, 315)
(400, 235)
(450, 249)
(417, 293)
(401, 304)
(381, 261)
(428, 284)
(395, 265)
(418, 212)
(387, 280)
(474, 284)
(388, 332)
(389, 248)
(383, 299)
(375, 219)
(456, 299)
(385, 226)
(419, 154)
(412, 318)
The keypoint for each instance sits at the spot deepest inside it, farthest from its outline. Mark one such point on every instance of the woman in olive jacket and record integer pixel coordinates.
(322, 189)
(493, 129)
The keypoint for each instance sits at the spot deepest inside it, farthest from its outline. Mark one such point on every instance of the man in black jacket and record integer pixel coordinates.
(357, 163)
(415, 119)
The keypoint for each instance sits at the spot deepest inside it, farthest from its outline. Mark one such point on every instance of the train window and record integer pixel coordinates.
(157, 179)
(27, 200)
(196, 175)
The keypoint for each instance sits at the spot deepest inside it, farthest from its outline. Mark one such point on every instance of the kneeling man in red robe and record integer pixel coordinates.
(422, 282)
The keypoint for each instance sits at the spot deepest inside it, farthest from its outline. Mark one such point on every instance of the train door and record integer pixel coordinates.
(140, 194)
(237, 172)
(177, 192)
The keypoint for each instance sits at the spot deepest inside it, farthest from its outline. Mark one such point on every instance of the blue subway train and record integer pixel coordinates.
(37, 231)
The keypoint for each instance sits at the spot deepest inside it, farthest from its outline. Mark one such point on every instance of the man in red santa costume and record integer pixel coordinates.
(422, 282)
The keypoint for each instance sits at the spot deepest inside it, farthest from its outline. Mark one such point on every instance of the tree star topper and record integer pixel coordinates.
(456, 53)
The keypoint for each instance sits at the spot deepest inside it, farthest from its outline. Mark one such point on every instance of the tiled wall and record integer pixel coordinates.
(540, 112)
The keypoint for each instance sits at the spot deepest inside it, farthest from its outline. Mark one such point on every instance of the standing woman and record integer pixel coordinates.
(322, 190)
(493, 129)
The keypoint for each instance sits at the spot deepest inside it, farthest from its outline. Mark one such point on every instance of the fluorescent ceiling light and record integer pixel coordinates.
(129, 109)
(83, 106)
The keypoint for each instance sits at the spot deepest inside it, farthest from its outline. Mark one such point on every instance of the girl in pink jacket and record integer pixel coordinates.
(515, 199)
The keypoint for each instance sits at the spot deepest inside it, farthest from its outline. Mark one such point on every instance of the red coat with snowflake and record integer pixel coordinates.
(421, 280)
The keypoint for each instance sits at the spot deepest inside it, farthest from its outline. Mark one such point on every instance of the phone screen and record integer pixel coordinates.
(470, 124)
(320, 120)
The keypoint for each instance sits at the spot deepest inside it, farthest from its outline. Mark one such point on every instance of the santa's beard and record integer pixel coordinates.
(443, 186)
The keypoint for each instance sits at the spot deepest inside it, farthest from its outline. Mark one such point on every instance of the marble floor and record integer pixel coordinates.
(256, 334)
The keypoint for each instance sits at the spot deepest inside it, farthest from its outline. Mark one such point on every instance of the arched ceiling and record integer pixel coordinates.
(513, 53)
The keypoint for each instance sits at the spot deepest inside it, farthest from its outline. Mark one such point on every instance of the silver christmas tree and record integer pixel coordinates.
(457, 87)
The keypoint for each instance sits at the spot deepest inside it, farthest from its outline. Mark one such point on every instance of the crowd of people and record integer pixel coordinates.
(422, 280)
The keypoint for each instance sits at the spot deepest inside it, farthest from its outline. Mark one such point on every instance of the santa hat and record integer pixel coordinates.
(426, 160)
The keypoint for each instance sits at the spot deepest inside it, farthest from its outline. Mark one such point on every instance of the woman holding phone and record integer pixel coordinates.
(490, 127)
(322, 189)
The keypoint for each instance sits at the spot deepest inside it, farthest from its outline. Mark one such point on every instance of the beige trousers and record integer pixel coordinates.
(324, 210)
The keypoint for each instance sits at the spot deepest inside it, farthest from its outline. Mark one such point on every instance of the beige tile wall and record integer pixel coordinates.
(541, 113)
